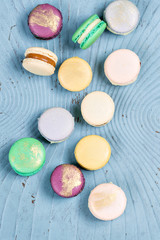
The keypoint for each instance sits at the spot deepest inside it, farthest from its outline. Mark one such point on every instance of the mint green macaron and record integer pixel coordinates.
(27, 156)
(89, 31)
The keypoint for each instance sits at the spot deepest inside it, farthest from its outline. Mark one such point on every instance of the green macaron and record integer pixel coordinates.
(27, 156)
(89, 31)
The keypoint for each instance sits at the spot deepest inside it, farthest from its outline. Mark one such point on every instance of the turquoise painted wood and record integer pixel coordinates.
(29, 209)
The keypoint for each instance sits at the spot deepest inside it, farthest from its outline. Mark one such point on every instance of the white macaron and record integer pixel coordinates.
(122, 67)
(107, 201)
(97, 108)
(40, 61)
(121, 16)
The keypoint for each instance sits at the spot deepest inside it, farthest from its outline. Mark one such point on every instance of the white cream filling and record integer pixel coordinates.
(88, 29)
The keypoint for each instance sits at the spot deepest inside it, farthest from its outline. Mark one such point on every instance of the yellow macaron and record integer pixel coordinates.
(75, 74)
(92, 152)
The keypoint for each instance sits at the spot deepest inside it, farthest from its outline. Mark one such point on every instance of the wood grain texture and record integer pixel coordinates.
(29, 209)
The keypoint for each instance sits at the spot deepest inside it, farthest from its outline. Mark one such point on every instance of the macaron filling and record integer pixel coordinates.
(41, 58)
(92, 32)
(88, 30)
(83, 27)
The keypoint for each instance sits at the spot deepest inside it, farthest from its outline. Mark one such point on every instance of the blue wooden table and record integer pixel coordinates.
(29, 209)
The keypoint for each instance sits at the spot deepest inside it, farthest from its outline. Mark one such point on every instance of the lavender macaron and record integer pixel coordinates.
(67, 180)
(56, 124)
(45, 21)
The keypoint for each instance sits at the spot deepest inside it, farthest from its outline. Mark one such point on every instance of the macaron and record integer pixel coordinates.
(27, 156)
(89, 31)
(92, 152)
(40, 61)
(67, 180)
(107, 201)
(56, 124)
(45, 21)
(75, 74)
(97, 108)
(122, 67)
(121, 16)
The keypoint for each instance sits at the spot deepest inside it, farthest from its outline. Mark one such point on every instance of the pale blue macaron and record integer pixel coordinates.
(56, 124)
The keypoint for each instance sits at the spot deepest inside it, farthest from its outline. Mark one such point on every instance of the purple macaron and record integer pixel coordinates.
(45, 21)
(67, 180)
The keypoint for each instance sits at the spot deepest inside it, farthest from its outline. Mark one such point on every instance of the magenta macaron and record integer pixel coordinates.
(45, 21)
(67, 180)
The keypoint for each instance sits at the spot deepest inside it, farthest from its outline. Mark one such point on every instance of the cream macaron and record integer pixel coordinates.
(97, 108)
(122, 67)
(40, 61)
(107, 201)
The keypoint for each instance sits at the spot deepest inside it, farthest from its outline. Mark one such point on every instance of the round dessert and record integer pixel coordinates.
(75, 74)
(122, 17)
(45, 21)
(92, 152)
(40, 61)
(122, 67)
(97, 108)
(67, 180)
(89, 31)
(107, 201)
(27, 156)
(56, 124)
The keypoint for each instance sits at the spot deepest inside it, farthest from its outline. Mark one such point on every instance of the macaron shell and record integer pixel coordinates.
(97, 108)
(75, 74)
(107, 201)
(83, 27)
(42, 51)
(38, 67)
(92, 152)
(95, 33)
(56, 124)
(124, 34)
(67, 180)
(27, 156)
(122, 67)
(45, 21)
(122, 17)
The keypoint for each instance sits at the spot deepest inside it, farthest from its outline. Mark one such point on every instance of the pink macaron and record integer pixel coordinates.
(45, 21)
(67, 180)
(107, 201)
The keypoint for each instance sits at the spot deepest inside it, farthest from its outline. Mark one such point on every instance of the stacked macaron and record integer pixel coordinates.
(40, 61)
(89, 31)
